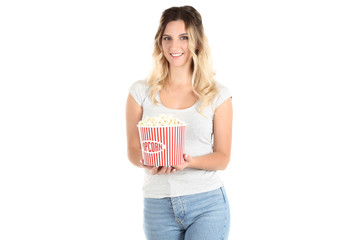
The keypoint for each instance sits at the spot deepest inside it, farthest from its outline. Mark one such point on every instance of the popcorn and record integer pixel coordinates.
(162, 140)
(162, 120)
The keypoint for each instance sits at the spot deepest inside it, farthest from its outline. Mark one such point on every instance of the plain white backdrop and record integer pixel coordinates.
(65, 70)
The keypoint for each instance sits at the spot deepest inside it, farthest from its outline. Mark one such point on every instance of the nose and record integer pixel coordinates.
(174, 44)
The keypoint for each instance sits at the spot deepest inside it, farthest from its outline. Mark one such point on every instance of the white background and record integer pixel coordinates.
(65, 70)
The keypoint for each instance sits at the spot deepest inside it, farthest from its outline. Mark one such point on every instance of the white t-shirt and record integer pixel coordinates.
(198, 142)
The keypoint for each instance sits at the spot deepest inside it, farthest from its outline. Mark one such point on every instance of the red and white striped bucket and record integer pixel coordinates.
(162, 146)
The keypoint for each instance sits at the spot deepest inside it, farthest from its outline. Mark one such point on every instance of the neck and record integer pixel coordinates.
(180, 76)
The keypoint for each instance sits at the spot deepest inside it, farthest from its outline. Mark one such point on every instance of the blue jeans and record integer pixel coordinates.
(191, 217)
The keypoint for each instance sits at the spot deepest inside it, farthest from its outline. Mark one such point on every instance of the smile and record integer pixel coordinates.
(176, 54)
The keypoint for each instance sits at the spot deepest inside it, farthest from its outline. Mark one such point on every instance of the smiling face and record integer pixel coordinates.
(175, 44)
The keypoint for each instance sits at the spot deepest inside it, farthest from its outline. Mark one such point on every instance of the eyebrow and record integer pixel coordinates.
(179, 34)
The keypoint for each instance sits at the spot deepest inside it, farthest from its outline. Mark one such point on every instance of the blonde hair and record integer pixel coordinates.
(203, 81)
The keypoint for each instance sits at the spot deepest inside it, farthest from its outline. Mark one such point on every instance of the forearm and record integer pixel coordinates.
(135, 155)
(212, 161)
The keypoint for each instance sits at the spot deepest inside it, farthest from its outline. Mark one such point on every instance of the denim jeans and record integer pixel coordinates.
(191, 217)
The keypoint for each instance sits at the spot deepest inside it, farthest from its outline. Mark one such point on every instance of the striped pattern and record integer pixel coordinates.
(162, 146)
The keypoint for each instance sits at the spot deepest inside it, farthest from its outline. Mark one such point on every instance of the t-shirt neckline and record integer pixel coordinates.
(174, 109)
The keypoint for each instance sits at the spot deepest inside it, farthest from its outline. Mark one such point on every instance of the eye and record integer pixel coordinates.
(166, 38)
(184, 38)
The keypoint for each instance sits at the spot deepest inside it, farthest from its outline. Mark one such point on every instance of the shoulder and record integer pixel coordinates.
(139, 85)
(139, 90)
(222, 95)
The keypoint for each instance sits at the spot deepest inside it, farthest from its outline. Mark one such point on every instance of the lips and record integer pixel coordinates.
(176, 54)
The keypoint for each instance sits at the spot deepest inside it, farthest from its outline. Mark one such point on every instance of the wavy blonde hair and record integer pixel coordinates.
(203, 81)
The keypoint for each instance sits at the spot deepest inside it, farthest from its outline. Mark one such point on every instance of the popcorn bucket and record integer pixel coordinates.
(162, 145)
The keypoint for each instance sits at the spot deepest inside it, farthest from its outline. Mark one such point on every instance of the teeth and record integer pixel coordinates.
(176, 54)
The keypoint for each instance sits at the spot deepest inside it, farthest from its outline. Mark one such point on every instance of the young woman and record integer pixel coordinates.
(187, 201)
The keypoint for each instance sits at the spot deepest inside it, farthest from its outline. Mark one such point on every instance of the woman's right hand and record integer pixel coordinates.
(158, 170)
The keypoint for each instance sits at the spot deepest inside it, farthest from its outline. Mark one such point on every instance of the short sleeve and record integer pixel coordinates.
(223, 94)
(138, 91)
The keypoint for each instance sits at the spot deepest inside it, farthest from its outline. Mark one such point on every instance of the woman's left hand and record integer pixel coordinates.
(187, 160)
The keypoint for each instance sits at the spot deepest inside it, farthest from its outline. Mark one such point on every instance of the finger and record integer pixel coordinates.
(172, 169)
(154, 170)
(162, 170)
(168, 170)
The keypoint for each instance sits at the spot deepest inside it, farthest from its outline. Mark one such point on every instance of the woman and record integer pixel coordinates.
(187, 201)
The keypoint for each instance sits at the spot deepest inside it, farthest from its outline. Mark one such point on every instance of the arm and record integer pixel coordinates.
(220, 157)
(133, 116)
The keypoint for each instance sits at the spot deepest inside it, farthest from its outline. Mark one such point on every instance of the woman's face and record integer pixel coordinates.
(175, 44)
